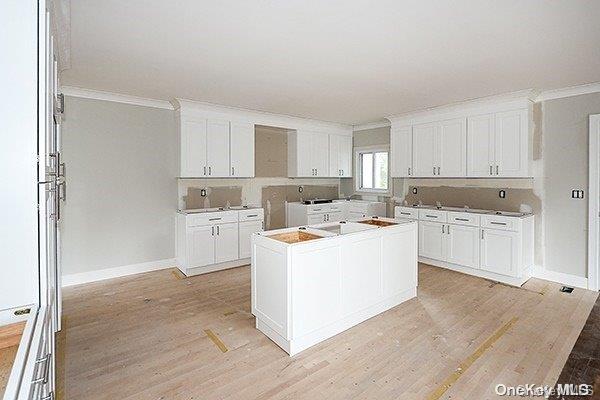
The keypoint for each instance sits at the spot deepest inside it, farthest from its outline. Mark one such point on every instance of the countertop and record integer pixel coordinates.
(468, 210)
(217, 209)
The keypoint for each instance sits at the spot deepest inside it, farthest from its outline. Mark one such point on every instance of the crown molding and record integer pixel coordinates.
(569, 91)
(265, 118)
(115, 97)
(371, 125)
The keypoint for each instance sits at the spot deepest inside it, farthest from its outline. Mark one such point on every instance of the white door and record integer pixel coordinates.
(246, 230)
(320, 154)
(424, 145)
(430, 240)
(314, 219)
(345, 156)
(334, 155)
(461, 245)
(499, 251)
(511, 135)
(217, 148)
(480, 145)
(303, 154)
(226, 242)
(201, 245)
(401, 151)
(193, 148)
(334, 216)
(452, 148)
(242, 149)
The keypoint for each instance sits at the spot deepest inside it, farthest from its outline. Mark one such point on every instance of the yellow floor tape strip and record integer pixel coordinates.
(215, 339)
(451, 380)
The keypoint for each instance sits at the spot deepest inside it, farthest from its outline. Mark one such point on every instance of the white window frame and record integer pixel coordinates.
(357, 167)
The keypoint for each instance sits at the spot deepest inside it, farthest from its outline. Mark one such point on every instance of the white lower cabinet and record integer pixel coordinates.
(246, 230)
(461, 245)
(499, 251)
(210, 241)
(430, 240)
(497, 247)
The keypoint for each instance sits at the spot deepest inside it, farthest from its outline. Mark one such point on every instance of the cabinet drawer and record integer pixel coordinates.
(252, 215)
(406, 212)
(432, 215)
(500, 222)
(460, 218)
(318, 209)
(211, 218)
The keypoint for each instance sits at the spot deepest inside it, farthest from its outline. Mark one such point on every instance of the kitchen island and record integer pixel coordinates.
(311, 283)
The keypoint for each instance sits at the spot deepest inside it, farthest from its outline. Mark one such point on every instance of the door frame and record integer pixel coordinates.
(594, 203)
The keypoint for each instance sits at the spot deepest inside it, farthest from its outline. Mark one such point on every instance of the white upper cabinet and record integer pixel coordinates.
(498, 145)
(480, 139)
(317, 154)
(452, 148)
(340, 156)
(480, 150)
(401, 152)
(424, 149)
(242, 149)
(193, 148)
(214, 148)
(217, 148)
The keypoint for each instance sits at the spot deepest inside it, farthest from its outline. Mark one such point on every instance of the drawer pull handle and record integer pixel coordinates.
(404, 213)
(252, 215)
(498, 223)
(214, 219)
(462, 219)
(430, 216)
(317, 209)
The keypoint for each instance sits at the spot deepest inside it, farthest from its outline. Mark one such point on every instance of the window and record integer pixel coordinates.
(372, 165)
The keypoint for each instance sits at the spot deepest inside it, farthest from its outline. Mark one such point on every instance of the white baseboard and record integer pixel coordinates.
(560, 277)
(108, 273)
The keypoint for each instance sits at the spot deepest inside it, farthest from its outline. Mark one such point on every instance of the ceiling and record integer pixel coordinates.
(346, 61)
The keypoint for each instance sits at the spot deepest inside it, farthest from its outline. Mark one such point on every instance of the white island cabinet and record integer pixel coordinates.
(311, 283)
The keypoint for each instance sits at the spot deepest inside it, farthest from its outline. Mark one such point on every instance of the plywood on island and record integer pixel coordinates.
(377, 222)
(294, 237)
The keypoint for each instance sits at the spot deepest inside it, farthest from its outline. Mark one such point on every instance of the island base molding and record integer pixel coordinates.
(193, 271)
(294, 346)
(509, 280)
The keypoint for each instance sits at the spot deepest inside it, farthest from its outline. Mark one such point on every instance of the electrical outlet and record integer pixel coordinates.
(577, 194)
(414, 190)
(203, 192)
(300, 189)
(502, 194)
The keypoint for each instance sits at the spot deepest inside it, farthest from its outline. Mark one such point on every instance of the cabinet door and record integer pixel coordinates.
(334, 155)
(461, 245)
(430, 240)
(424, 145)
(320, 154)
(314, 219)
(246, 230)
(499, 251)
(352, 215)
(201, 246)
(242, 150)
(334, 216)
(345, 156)
(226, 242)
(217, 148)
(511, 144)
(193, 148)
(401, 151)
(480, 145)
(303, 154)
(452, 148)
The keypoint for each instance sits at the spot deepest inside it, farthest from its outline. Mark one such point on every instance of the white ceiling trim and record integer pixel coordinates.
(371, 125)
(569, 91)
(116, 97)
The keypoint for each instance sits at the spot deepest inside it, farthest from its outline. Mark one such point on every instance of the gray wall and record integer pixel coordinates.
(565, 159)
(122, 191)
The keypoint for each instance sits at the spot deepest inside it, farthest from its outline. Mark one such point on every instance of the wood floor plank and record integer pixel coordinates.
(143, 337)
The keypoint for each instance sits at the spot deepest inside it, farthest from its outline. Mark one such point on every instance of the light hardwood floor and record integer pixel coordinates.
(143, 337)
